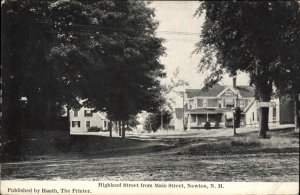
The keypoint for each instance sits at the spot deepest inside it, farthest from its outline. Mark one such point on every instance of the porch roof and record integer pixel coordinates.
(209, 110)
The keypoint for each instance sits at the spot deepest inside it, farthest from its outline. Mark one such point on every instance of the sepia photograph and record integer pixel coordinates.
(149, 97)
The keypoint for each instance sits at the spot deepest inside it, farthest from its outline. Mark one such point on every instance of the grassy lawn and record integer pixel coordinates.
(240, 158)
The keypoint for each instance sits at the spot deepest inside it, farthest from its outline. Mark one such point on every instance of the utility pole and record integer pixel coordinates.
(182, 93)
(161, 119)
(183, 110)
(234, 112)
(234, 128)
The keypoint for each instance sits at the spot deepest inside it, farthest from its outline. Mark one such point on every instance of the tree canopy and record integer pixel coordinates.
(59, 52)
(261, 38)
(153, 120)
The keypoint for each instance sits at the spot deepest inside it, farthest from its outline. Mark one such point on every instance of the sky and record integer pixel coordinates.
(181, 30)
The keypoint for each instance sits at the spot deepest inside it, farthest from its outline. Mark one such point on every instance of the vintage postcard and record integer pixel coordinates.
(150, 97)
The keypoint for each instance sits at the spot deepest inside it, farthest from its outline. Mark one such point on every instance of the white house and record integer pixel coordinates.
(252, 113)
(215, 105)
(81, 120)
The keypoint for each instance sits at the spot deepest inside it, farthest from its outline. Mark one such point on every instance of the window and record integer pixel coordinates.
(212, 102)
(253, 116)
(200, 103)
(274, 114)
(229, 93)
(220, 103)
(75, 123)
(88, 124)
(229, 102)
(191, 104)
(186, 106)
(204, 103)
(75, 113)
(88, 113)
(242, 104)
(105, 123)
(193, 118)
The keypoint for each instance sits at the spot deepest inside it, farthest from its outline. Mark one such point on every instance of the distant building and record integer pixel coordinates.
(215, 105)
(83, 119)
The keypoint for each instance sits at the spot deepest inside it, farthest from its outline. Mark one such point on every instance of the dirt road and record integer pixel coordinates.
(184, 159)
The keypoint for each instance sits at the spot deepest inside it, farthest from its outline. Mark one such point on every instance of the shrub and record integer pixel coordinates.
(94, 129)
(207, 125)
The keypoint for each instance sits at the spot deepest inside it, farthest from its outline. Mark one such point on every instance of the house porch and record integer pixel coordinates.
(198, 120)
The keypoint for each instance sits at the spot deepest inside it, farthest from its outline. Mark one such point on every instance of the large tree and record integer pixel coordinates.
(253, 37)
(131, 68)
(45, 59)
(57, 52)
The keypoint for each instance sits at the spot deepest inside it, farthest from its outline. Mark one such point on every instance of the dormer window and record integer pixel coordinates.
(229, 103)
(229, 93)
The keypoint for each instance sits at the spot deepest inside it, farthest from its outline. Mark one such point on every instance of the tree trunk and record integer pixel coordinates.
(296, 111)
(47, 123)
(161, 120)
(120, 132)
(264, 112)
(110, 128)
(68, 113)
(12, 129)
(264, 122)
(11, 134)
(123, 129)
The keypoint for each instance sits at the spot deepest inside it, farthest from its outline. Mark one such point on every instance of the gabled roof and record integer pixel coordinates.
(246, 91)
(215, 90)
(102, 115)
(210, 92)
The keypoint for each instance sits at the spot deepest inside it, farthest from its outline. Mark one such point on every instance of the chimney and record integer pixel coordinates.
(234, 81)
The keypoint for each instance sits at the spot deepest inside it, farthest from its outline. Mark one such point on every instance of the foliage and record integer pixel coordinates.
(153, 120)
(131, 62)
(133, 122)
(241, 38)
(169, 88)
(207, 126)
(58, 52)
